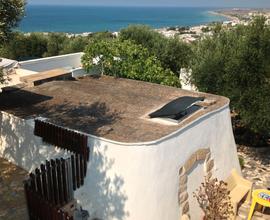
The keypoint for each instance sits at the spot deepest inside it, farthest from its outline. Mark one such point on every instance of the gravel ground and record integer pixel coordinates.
(256, 165)
(12, 200)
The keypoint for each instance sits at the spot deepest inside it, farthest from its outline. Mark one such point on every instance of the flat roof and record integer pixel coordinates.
(108, 107)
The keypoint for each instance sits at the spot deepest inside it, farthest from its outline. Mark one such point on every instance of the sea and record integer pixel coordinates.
(80, 19)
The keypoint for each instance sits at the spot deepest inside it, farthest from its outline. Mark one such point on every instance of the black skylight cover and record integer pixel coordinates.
(178, 108)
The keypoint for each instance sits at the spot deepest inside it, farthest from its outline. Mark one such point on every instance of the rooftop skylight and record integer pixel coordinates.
(178, 109)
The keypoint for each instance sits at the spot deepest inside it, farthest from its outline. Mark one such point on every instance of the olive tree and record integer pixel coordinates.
(11, 12)
(128, 60)
(236, 63)
(172, 52)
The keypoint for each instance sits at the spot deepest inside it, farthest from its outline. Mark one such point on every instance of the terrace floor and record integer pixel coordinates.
(12, 200)
(244, 211)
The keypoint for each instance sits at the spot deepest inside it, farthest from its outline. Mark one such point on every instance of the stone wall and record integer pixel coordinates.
(201, 154)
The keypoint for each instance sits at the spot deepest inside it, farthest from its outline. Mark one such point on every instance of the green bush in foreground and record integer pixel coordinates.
(236, 63)
(128, 60)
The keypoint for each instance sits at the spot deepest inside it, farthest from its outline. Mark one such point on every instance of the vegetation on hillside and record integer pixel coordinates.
(236, 63)
(172, 52)
(123, 58)
(11, 12)
(37, 45)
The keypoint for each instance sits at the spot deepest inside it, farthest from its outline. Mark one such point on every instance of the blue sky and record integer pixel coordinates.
(206, 3)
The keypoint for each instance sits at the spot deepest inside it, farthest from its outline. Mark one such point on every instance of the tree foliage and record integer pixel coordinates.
(236, 63)
(37, 45)
(11, 12)
(128, 60)
(23, 47)
(73, 45)
(172, 52)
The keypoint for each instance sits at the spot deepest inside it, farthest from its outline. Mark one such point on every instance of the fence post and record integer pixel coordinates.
(55, 182)
(38, 181)
(60, 181)
(44, 181)
(74, 173)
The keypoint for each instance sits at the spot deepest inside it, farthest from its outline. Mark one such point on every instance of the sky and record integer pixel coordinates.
(183, 3)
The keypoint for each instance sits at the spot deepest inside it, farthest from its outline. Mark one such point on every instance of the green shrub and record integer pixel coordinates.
(128, 60)
(236, 63)
(172, 52)
(241, 162)
(23, 47)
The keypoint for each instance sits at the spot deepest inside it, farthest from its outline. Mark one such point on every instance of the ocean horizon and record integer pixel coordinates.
(80, 19)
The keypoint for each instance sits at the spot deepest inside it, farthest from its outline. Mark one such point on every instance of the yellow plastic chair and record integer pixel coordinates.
(240, 189)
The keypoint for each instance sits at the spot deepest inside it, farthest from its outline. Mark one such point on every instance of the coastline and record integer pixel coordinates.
(230, 17)
(115, 33)
(97, 19)
(187, 33)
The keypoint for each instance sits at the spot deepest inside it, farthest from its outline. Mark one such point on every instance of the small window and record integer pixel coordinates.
(178, 109)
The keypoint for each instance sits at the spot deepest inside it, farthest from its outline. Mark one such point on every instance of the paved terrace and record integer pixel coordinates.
(113, 108)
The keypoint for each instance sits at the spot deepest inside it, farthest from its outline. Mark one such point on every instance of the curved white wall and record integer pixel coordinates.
(130, 181)
(141, 181)
(63, 61)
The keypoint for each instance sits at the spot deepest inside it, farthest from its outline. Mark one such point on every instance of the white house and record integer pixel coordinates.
(140, 168)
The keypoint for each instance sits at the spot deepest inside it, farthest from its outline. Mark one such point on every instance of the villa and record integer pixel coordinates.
(150, 145)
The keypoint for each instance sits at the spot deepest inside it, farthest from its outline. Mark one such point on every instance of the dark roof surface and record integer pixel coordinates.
(113, 108)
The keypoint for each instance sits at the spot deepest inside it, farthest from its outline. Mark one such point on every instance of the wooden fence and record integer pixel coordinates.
(61, 137)
(41, 209)
(51, 187)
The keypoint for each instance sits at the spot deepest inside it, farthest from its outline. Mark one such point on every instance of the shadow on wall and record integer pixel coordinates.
(102, 194)
(20, 146)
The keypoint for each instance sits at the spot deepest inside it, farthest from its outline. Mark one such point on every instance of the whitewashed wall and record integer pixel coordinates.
(140, 181)
(19, 145)
(131, 181)
(69, 61)
(64, 61)
(78, 72)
